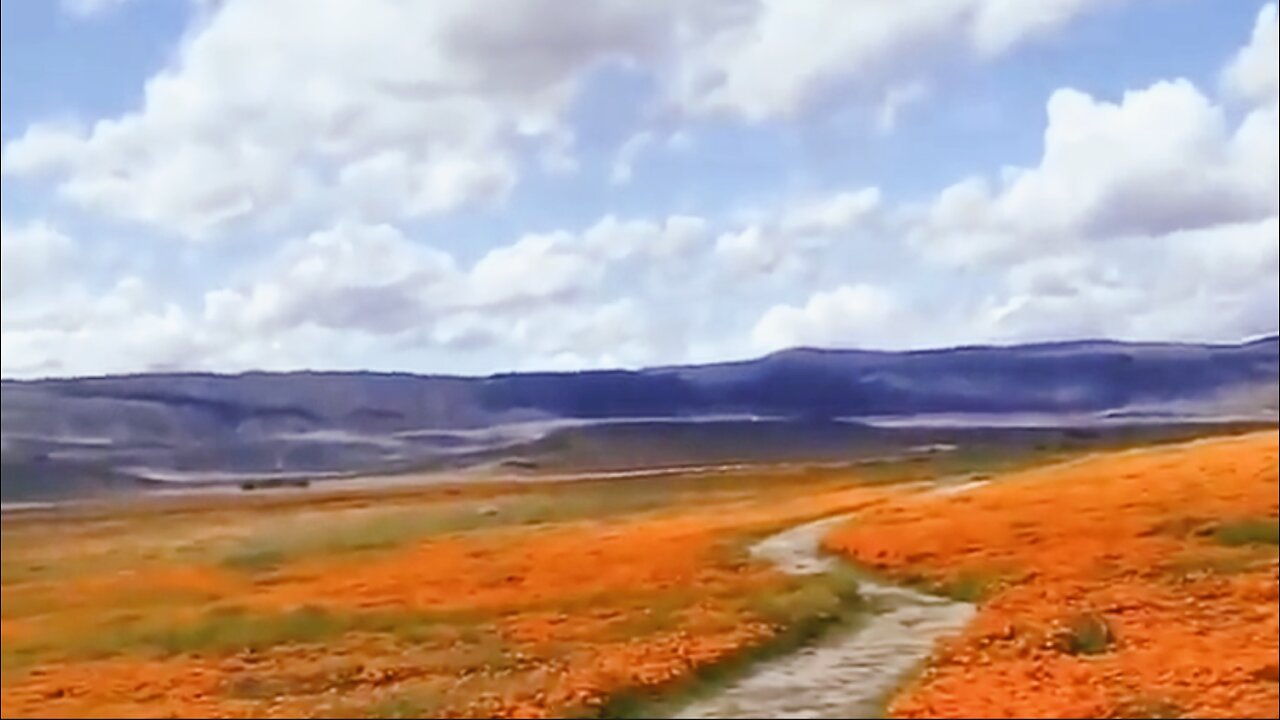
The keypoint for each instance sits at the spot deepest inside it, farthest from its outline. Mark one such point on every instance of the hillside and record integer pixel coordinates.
(313, 422)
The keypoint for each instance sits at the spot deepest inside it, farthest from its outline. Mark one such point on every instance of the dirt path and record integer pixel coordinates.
(848, 674)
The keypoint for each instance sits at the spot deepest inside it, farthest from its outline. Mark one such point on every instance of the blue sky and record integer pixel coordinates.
(439, 187)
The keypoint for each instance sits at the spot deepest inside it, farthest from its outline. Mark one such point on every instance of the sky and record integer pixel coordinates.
(462, 187)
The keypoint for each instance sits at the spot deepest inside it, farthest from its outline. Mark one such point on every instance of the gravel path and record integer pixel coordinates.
(844, 675)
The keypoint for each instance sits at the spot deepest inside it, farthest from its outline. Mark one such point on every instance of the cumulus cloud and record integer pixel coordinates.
(1252, 74)
(275, 111)
(1217, 283)
(834, 44)
(865, 316)
(534, 268)
(790, 238)
(1147, 216)
(838, 212)
(751, 250)
(32, 256)
(1162, 159)
(345, 292)
(349, 277)
(297, 107)
(125, 327)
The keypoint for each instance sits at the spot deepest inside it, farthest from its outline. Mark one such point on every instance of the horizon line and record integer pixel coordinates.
(1248, 340)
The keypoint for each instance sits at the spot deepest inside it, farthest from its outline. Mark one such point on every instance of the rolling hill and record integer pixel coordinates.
(199, 425)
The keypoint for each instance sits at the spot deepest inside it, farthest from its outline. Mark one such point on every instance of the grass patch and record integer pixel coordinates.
(221, 631)
(408, 704)
(1253, 531)
(1214, 561)
(1148, 709)
(376, 530)
(226, 630)
(825, 597)
(803, 611)
(661, 614)
(1087, 634)
(968, 587)
(418, 700)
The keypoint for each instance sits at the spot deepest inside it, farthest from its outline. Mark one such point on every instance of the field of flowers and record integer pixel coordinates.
(440, 605)
(1125, 584)
(1136, 584)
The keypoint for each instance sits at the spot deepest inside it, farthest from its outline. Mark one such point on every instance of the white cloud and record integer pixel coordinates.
(1160, 160)
(614, 240)
(372, 280)
(350, 277)
(863, 316)
(1228, 258)
(624, 161)
(999, 25)
(534, 268)
(33, 256)
(752, 250)
(896, 99)
(391, 184)
(835, 213)
(294, 108)
(832, 44)
(1149, 216)
(285, 111)
(788, 239)
(1254, 73)
(125, 328)
(1216, 283)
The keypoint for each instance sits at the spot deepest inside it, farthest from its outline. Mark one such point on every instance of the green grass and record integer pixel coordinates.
(226, 630)
(1087, 634)
(407, 704)
(829, 596)
(383, 529)
(968, 587)
(416, 699)
(1252, 531)
(221, 631)
(804, 611)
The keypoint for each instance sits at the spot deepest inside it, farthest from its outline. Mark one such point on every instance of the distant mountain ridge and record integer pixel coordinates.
(332, 421)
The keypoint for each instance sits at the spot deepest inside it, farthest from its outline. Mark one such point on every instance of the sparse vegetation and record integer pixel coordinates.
(1086, 634)
(969, 587)
(373, 530)
(1254, 531)
(803, 610)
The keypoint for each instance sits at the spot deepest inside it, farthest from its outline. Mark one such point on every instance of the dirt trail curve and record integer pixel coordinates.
(847, 674)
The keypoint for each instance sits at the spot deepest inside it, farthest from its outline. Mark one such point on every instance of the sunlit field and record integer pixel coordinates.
(1131, 583)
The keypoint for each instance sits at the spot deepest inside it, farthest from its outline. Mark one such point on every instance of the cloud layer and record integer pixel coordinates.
(1147, 215)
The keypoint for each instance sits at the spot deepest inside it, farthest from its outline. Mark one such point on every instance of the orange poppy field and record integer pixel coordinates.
(435, 605)
(1134, 583)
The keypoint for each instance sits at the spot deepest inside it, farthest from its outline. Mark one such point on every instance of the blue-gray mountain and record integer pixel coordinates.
(171, 425)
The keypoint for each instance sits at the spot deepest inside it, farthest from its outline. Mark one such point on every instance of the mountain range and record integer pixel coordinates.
(204, 427)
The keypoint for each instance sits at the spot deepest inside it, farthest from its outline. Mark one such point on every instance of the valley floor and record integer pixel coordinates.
(1135, 583)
